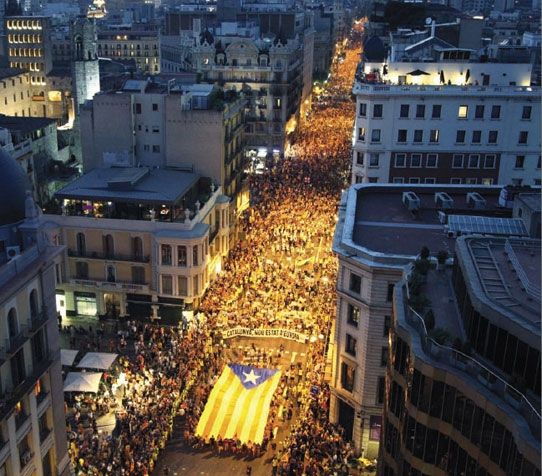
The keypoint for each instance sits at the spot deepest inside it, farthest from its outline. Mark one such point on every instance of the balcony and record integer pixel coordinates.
(14, 343)
(25, 458)
(44, 433)
(37, 321)
(111, 286)
(109, 256)
(20, 420)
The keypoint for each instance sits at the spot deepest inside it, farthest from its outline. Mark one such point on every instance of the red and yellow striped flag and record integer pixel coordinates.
(238, 405)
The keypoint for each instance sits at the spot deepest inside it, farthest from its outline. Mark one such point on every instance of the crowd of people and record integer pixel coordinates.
(281, 274)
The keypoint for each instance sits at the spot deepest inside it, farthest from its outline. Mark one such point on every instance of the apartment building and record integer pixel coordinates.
(433, 113)
(198, 128)
(32, 422)
(15, 92)
(138, 44)
(380, 232)
(140, 242)
(474, 409)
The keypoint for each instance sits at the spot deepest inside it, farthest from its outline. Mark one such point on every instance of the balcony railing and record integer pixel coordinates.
(14, 343)
(109, 256)
(475, 369)
(116, 285)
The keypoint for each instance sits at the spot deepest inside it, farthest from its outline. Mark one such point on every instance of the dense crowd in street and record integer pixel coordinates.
(281, 274)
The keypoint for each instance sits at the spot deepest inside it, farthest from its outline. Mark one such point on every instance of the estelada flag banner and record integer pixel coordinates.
(238, 406)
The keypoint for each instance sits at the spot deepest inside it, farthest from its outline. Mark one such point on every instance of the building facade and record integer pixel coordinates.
(445, 121)
(140, 242)
(379, 235)
(445, 411)
(15, 92)
(32, 422)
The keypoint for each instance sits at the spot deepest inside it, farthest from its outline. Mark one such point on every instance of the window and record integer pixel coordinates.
(489, 162)
(348, 374)
(375, 426)
(398, 180)
(389, 294)
(538, 162)
(437, 110)
(81, 270)
(353, 315)
(517, 181)
(400, 160)
(476, 137)
(523, 135)
(108, 246)
(165, 251)
(362, 109)
(460, 137)
(138, 275)
(137, 248)
(374, 159)
(359, 178)
(402, 135)
(361, 134)
(380, 390)
(429, 180)
(432, 160)
(492, 137)
(526, 113)
(463, 112)
(520, 162)
(350, 345)
(359, 158)
(434, 135)
(416, 160)
(377, 110)
(156, 149)
(457, 161)
(375, 135)
(195, 256)
(471, 181)
(495, 112)
(384, 356)
(182, 285)
(167, 284)
(404, 110)
(479, 112)
(111, 274)
(418, 135)
(154, 107)
(420, 111)
(414, 180)
(155, 129)
(487, 181)
(474, 161)
(81, 244)
(138, 108)
(373, 179)
(455, 180)
(355, 283)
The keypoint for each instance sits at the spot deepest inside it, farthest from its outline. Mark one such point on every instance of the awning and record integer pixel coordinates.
(97, 360)
(418, 72)
(82, 382)
(67, 356)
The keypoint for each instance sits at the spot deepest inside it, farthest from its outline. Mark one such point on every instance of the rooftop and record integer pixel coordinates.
(24, 124)
(505, 272)
(383, 223)
(131, 185)
(10, 72)
(532, 200)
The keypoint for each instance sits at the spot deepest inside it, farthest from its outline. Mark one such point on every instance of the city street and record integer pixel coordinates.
(282, 275)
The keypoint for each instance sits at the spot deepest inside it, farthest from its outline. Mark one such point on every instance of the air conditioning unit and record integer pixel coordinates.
(476, 201)
(444, 201)
(411, 201)
(12, 252)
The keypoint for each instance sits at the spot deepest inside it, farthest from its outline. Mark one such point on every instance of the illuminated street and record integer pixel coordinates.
(282, 275)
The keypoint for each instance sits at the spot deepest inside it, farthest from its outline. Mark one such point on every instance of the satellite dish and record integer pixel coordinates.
(428, 21)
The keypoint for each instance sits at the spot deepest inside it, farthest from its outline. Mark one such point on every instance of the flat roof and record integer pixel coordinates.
(24, 124)
(505, 273)
(383, 223)
(532, 200)
(131, 184)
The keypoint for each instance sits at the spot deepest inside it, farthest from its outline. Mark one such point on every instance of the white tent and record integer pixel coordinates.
(97, 360)
(67, 356)
(82, 382)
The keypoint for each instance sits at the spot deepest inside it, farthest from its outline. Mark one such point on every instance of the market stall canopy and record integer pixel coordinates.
(97, 360)
(82, 382)
(67, 356)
